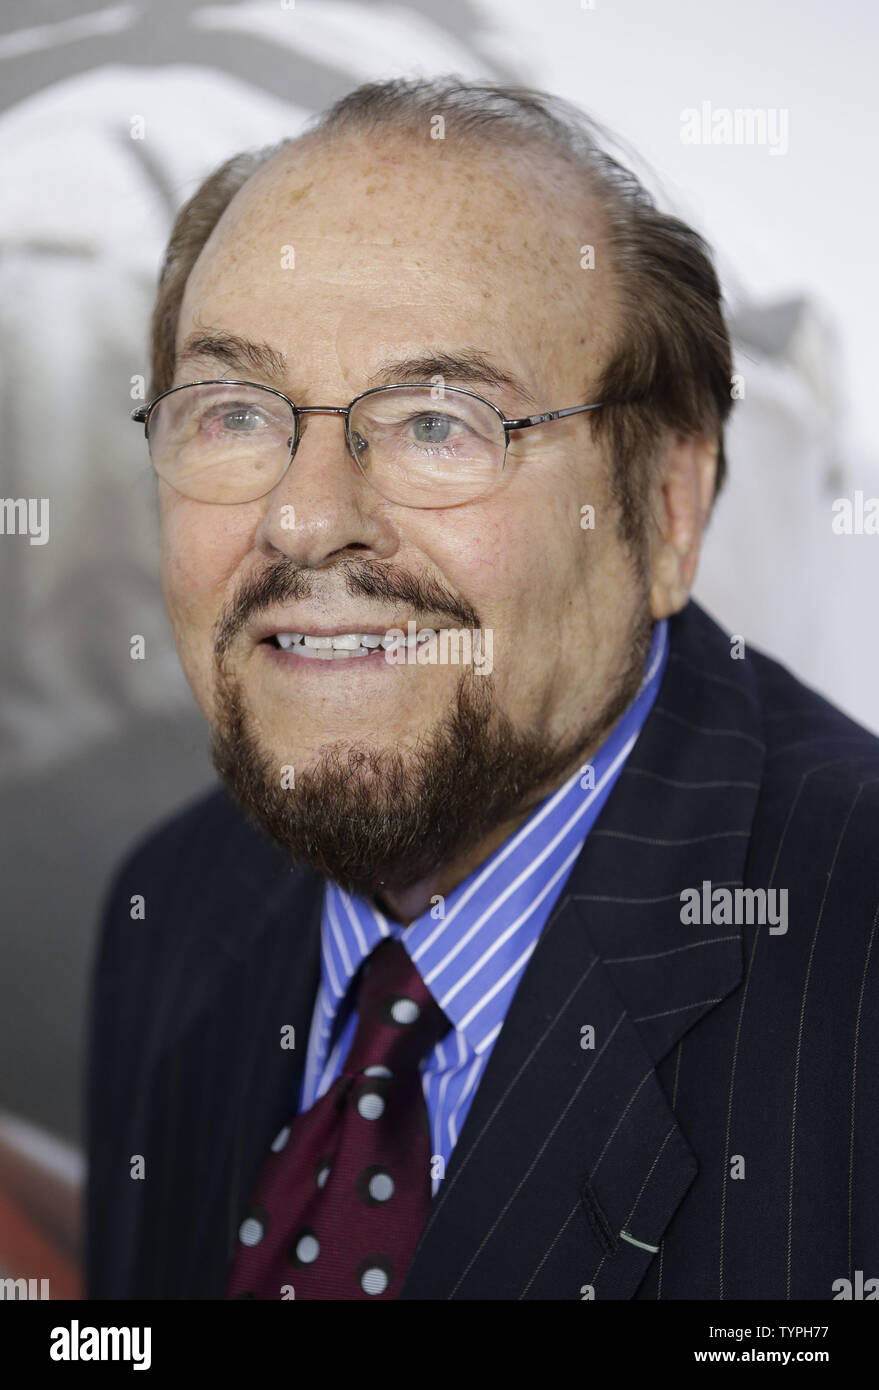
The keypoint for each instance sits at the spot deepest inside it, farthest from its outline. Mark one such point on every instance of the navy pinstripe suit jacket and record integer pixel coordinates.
(720, 1140)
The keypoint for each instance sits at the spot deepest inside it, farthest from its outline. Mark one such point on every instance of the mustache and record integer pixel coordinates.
(376, 579)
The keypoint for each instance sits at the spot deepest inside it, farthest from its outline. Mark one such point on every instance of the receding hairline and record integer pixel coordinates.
(531, 157)
(563, 175)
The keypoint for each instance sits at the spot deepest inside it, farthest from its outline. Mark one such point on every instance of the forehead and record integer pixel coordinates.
(340, 248)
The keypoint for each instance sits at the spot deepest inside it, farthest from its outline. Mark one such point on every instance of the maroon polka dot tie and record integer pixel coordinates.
(344, 1193)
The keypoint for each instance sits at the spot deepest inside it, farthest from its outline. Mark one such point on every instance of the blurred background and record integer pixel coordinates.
(109, 119)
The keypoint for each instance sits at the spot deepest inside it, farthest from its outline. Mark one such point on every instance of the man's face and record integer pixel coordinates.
(404, 250)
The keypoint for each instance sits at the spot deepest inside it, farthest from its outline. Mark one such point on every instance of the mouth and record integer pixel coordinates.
(344, 646)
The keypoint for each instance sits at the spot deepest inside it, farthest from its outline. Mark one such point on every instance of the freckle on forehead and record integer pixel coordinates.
(357, 215)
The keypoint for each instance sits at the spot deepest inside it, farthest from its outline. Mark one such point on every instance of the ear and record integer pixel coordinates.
(683, 492)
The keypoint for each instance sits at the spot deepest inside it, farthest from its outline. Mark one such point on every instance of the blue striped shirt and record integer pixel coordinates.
(471, 956)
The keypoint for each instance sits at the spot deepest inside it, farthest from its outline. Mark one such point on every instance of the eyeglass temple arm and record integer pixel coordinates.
(528, 420)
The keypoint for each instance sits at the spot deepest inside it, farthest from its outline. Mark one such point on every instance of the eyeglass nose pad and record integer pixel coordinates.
(357, 455)
(295, 433)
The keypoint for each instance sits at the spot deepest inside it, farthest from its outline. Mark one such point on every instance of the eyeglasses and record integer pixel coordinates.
(418, 446)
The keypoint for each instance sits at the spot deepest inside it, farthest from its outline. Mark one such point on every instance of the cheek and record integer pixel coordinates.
(520, 562)
(469, 548)
(202, 548)
(512, 558)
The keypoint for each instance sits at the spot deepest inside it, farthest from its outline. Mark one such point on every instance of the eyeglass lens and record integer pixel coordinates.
(417, 445)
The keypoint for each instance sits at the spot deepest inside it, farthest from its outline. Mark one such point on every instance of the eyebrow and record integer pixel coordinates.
(234, 351)
(466, 364)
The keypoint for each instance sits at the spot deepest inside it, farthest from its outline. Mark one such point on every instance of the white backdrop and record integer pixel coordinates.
(95, 746)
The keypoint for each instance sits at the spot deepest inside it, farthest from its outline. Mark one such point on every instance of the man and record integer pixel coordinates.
(528, 951)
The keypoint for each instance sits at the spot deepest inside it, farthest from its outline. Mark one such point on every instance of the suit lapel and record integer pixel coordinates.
(223, 1085)
(571, 1164)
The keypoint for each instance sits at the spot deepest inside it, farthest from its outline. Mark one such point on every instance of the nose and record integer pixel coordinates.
(323, 507)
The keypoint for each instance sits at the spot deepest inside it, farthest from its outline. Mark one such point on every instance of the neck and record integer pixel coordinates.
(406, 904)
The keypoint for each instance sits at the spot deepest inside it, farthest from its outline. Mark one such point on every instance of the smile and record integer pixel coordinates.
(343, 646)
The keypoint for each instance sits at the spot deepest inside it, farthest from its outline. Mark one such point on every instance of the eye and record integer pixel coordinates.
(432, 429)
(242, 419)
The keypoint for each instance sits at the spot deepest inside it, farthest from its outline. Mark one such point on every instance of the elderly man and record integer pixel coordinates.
(527, 951)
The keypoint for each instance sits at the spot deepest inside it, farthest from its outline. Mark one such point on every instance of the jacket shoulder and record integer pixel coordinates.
(206, 827)
(197, 869)
(808, 737)
(209, 841)
(819, 797)
(817, 768)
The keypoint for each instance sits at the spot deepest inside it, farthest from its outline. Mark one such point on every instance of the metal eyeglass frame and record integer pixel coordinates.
(142, 414)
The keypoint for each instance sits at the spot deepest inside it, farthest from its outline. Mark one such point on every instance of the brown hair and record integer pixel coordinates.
(673, 356)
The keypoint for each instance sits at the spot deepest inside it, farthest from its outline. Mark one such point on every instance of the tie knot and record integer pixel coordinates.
(398, 1021)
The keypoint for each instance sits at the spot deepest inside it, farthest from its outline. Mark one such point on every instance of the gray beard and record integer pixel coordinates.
(373, 819)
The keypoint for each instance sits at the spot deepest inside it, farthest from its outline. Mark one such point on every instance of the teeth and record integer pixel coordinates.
(347, 644)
